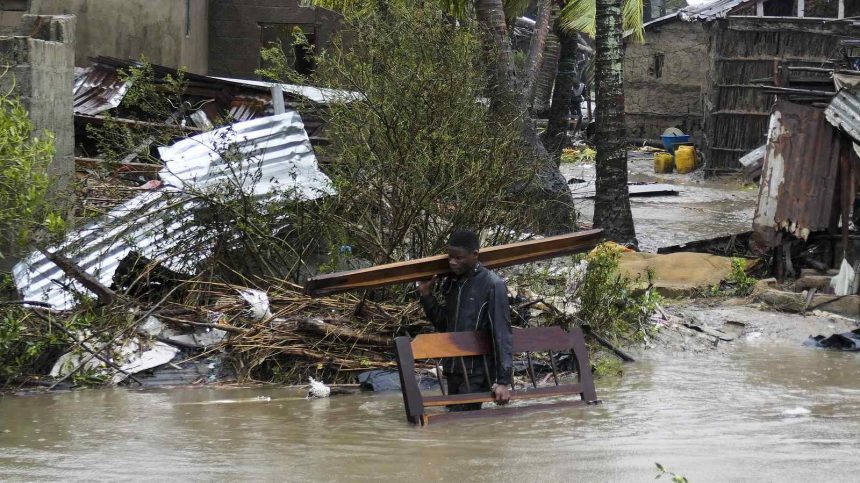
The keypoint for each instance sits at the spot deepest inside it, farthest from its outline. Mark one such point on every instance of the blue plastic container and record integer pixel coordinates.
(671, 142)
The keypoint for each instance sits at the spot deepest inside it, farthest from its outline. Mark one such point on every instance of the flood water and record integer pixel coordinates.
(702, 209)
(756, 414)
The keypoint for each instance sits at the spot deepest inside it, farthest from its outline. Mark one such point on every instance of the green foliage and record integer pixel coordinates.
(26, 345)
(576, 155)
(609, 302)
(581, 15)
(607, 366)
(739, 283)
(591, 287)
(675, 477)
(151, 100)
(24, 182)
(743, 283)
(417, 153)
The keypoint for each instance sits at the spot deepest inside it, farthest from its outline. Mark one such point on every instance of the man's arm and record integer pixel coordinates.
(500, 325)
(436, 314)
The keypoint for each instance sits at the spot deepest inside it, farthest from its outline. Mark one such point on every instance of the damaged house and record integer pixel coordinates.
(714, 70)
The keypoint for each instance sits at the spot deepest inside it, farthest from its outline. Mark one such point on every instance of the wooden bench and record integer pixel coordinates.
(459, 344)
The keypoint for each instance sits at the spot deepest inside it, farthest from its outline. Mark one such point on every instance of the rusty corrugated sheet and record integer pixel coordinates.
(798, 181)
(844, 112)
(98, 89)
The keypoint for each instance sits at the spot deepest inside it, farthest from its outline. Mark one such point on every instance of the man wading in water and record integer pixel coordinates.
(475, 299)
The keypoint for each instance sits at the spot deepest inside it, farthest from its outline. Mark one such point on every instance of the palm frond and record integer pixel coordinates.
(631, 19)
(581, 16)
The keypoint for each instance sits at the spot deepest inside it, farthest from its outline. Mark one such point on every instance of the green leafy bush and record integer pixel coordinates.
(24, 182)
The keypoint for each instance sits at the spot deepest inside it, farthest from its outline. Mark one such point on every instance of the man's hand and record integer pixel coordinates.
(424, 288)
(501, 394)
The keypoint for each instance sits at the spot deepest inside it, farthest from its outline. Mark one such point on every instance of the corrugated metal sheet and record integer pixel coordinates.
(703, 13)
(712, 11)
(844, 112)
(97, 89)
(155, 223)
(799, 175)
(278, 144)
(319, 95)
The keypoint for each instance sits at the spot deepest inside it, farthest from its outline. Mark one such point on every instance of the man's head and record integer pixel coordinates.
(462, 251)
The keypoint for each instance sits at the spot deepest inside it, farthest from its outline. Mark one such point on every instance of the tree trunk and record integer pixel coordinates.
(612, 201)
(646, 10)
(565, 79)
(549, 198)
(546, 76)
(534, 61)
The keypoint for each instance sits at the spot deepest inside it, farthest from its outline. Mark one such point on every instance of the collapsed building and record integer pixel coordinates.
(714, 70)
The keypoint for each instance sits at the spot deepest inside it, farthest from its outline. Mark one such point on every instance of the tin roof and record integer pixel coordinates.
(158, 223)
(799, 175)
(844, 112)
(97, 89)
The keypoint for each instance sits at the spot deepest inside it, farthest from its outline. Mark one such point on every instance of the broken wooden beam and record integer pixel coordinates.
(424, 268)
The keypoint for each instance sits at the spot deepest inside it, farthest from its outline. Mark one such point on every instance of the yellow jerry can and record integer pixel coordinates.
(685, 159)
(663, 163)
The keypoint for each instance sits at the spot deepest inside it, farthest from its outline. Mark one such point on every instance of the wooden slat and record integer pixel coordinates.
(541, 339)
(451, 344)
(540, 392)
(497, 412)
(424, 268)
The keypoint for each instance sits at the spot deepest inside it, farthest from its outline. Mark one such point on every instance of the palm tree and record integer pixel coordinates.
(607, 20)
(548, 194)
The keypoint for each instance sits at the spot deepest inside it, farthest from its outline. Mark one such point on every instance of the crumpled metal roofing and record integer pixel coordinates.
(98, 89)
(156, 222)
(278, 144)
(844, 112)
(320, 95)
(799, 175)
(702, 13)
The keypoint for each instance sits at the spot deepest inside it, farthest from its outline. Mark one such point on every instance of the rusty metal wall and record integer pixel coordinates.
(797, 193)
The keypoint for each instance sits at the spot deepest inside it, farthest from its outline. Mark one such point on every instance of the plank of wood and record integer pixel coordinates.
(424, 268)
(451, 344)
(482, 397)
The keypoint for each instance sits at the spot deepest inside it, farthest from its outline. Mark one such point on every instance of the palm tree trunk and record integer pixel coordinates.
(549, 197)
(546, 76)
(534, 61)
(612, 202)
(565, 79)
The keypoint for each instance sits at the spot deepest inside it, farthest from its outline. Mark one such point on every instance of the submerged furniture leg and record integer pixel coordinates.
(552, 366)
(439, 378)
(580, 352)
(465, 375)
(531, 369)
(412, 399)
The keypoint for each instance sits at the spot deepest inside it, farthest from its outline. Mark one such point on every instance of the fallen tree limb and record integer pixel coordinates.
(105, 295)
(325, 329)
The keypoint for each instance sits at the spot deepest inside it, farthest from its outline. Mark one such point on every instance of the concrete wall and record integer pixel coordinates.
(673, 96)
(131, 28)
(235, 31)
(41, 56)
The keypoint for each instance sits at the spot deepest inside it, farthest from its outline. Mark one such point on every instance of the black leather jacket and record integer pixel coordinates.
(476, 301)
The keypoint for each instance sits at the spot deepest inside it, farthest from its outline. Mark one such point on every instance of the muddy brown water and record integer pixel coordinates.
(757, 414)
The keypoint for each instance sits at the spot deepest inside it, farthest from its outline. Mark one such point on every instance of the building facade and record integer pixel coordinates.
(702, 69)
